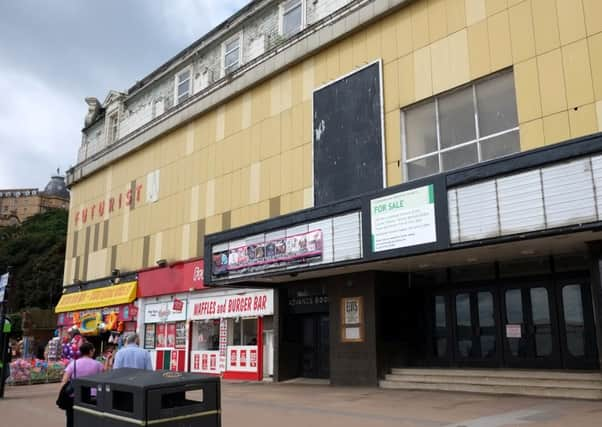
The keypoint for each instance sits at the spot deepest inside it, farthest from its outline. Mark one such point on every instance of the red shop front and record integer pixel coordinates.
(227, 332)
(163, 297)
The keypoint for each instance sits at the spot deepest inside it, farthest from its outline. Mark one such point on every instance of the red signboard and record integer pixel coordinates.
(233, 358)
(253, 358)
(178, 305)
(243, 358)
(176, 278)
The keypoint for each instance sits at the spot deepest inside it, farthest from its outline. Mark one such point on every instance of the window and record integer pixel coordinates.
(472, 124)
(232, 58)
(291, 17)
(113, 127)
(183, 85)
(205, 336)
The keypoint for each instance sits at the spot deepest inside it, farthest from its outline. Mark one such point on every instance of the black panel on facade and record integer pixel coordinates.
(348, 146)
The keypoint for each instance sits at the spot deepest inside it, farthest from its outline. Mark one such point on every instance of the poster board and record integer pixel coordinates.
(352, 319)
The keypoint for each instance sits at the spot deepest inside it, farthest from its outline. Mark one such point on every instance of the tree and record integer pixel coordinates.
(36, 251)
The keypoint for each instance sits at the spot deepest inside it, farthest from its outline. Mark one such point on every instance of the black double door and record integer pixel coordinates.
(536, 324)
(315, 361)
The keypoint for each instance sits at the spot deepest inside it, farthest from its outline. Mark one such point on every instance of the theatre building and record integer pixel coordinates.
(404, 194)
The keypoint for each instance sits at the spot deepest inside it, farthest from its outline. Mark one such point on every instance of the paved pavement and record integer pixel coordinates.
(301, 405)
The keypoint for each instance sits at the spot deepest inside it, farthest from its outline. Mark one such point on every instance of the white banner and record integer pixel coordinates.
(206, 362)
(403, 219)
(249, 304)
(163, 312)
(243, 358)
(3, 285)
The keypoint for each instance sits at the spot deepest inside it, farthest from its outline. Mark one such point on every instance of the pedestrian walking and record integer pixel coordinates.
(82, 367)
(132, 356)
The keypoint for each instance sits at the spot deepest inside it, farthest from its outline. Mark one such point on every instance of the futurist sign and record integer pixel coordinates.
(403, 219)
(269, 254)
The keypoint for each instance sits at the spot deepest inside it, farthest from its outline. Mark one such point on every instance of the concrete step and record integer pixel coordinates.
(591, 384)
(572, 393)
(500, 373)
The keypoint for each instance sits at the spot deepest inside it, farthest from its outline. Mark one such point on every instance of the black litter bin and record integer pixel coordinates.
(126, 397)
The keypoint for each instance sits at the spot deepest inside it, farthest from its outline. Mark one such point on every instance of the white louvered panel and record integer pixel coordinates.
(478, 211)
(258, 238)
(452, 204)
(521, 203)
(327, 250)
(237, 243)
(219, 247)
(568, 193)
(347, 237)
(597, 171)
(298, 229)
(274, 235)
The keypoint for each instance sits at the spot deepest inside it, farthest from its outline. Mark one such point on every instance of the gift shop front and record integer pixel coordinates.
(102, 315)
(164, 295)
(232, 334)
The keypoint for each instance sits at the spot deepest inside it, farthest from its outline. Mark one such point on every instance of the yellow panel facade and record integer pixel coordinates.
(235, 158)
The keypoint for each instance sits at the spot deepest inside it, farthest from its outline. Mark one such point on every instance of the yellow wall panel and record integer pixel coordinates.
(531, 135)
(551, 82)
(235, 189)
(286, 88)
(456, 15)
(306, 111)
(405, 44)
(494, 6)
(220, 123)
(526, 81)
(308, 198)
(373, 42)
(332, 64)
(598, 113)
(245, 187)
(593, 11)
(406, 80)
(297, 169)
(359, 43)
(274, 166)
(256, 142)
(583, 120)
(247, 109)
(321, 67)
(545, 22)
(260, 103)
(345, 57)
(286, 130)
(556, 128)
(393, 173)
(213, 224)
(521, 32)
(570, 20)
(440, 54)
(595, 52)
(297, 125)
(193, 239)
(478, 50)
(459, 62)
(389, 38)
(392, 136)
(420, 24)
(437, 19)
(265, 179)
(308, 78)
(499, 41)
(391, 86)
(423, 83)
(308, 177)
(286, 163)
(233, 118)
(577, 73)
(475, 11)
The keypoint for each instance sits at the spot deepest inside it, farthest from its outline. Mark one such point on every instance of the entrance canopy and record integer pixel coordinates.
(96, 298)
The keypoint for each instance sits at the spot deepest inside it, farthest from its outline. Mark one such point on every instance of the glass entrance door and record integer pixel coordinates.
(530, 332)
(577, 332)
(476, 341)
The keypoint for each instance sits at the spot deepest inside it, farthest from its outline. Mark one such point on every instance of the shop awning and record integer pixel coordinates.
(98, 298)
